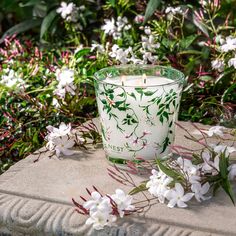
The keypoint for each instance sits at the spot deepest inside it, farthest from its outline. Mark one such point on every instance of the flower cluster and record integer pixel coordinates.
(174, 181)
(10, 78)
(124, 56)
(69, 11)
(178, 180)
(65, 77)
(227, 53)
(172, 11)
(103, 210)
(115, 28)
(147, 51)
(164, 187)
(60, 140)
(149, 46)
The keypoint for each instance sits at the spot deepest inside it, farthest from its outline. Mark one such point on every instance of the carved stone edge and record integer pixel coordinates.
(25, 216)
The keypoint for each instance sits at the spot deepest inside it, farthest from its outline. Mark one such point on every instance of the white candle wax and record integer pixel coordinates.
(139, 81)
(137, 115)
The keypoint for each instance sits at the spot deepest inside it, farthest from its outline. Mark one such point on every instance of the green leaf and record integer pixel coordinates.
(112, 2)
(140, 91)
(149, 93)
(121, 95)
(104, 101)
(83, 52)
(228, 91)
(21, 27)
(161, 119)
(165, 142)
(133, 95)
(122, 108)
(225, 184)
(160, 111)
(140, 188)
(118, 103)
(166, 115)
(151, 8)
(35, 138)
(186, 42)
(30, 3)
(170, 172)
(47, 22)
(223, 165)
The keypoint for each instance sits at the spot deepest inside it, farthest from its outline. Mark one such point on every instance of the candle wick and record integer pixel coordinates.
(144, 78)
(123, 80)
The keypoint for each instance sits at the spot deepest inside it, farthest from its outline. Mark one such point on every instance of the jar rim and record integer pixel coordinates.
(179, 80)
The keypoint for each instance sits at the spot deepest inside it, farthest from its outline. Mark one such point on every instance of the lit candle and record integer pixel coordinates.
(137, 114)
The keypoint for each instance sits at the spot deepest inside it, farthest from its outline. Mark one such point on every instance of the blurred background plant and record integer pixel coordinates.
(49, 51)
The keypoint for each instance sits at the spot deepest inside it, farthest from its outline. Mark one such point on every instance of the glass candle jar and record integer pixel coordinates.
(138, 106)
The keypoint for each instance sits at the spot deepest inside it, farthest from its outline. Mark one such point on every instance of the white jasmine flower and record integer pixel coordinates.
(98, 47)
(158, 185)
(122, 23)
(148, 43)
(61, 145)
(119, 54)
(174, 10)
(66, 82)
(229, 45)
(10, 79)
(100, 219)
(133, 58)
(147, 30)
(148, 57)
(177, 197)
(215, 130)
(123, 201)
(232, 171)
(65, 76)
(199, 191)
(232, 62)
(115, 28)
(223, 148)
(57, 132)
(73, 17)
(65, 9)
(60, 92)
(94, 202)
(55, 103)
(109, 27)
(208, 165)
(100, 210)
(217, 64)
(191, 170)
(98, 203)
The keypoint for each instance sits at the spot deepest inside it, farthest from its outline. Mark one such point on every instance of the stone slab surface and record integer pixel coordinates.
(35, 199)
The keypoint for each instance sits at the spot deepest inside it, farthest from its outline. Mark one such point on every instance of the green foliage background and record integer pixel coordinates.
(209, 96)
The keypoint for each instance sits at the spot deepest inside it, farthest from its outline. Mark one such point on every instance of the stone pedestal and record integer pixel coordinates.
(35, 199)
